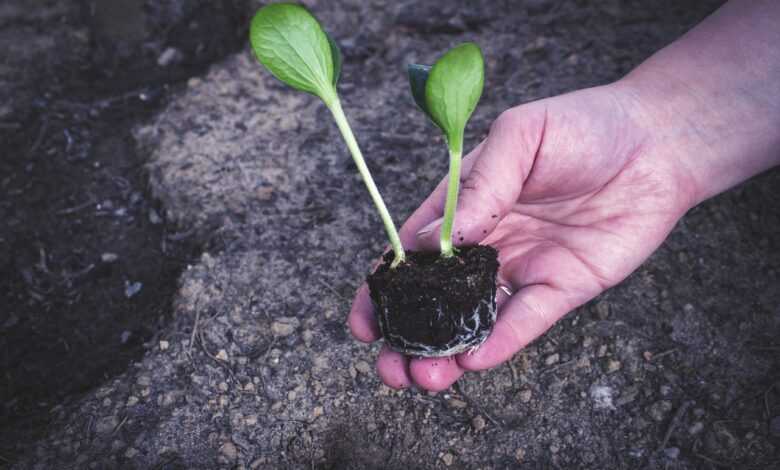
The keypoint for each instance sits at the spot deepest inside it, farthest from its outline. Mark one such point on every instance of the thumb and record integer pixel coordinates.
(490, 188)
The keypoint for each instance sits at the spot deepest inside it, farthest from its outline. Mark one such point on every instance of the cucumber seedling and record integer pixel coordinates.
(427, 303)
(448, 92)
(292, 45)
(440, 304)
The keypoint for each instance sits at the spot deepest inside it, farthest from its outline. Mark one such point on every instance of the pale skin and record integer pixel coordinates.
(576, 191)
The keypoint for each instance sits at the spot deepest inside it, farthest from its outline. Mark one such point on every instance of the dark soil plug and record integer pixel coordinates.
(432, 306)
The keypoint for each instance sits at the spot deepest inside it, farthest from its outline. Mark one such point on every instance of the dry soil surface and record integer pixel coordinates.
(675, 368)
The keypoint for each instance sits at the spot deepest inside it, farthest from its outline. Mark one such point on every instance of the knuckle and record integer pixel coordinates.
(479, 189)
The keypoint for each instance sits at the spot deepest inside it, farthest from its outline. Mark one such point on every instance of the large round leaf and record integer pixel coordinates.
(292, 45)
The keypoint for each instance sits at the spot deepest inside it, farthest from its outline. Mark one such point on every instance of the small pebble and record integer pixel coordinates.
(537, 45)
(672, 452)
(125, 337)
(229, 450)
(602, 307)
(154, 217)
(478, 423)
(168, 56)
(696, 428)
(109, 257)
(525, 396)
(284, 326)
(448, 459)
(164, 345)
(602, 396)
(363, 367)
(551, 359)
(660, 409)
(460, 404)
(612, 366)
(132, 288)
(519, 455)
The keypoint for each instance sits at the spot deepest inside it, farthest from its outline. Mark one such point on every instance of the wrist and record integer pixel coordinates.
(709, 102)
(713, 136)
(667, 145)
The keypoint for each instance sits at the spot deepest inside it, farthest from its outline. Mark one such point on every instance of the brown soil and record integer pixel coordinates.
(434, 306)
(88, 262)
(253, 367)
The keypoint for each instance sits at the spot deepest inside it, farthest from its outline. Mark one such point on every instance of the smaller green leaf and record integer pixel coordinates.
(453, 90)
(418, 76)
(335, 53)
(292, 45)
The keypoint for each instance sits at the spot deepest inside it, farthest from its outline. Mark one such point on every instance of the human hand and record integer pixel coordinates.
(577, 190)
(573, 193)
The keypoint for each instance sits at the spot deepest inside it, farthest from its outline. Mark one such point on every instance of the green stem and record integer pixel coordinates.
(453, 185)
(357, 156)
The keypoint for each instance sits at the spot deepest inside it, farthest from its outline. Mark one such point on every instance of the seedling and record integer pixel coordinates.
(427, 304)
(448, 92)
(440, 304)
(292, 45)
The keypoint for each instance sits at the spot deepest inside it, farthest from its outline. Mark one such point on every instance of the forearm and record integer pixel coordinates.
(711, 100)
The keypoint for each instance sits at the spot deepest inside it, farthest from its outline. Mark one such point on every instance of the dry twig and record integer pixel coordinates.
(674, 423)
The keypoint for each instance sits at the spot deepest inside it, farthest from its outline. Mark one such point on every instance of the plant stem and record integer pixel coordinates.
(453, 185)
(357, 156)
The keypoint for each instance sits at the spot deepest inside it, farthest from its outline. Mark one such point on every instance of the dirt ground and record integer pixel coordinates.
(236, 210)
(87, 264)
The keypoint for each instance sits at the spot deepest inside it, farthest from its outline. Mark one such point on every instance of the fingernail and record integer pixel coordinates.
(430, 227)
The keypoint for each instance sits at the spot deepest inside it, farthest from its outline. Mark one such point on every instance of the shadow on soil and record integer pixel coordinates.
(88, 264)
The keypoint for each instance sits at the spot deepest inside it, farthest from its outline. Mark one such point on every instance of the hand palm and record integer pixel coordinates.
(568, 191)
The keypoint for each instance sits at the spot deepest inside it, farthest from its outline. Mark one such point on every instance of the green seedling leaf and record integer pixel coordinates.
(453, 89)
(335, 53)
(448, 92)
(292, 45)
(418, 76)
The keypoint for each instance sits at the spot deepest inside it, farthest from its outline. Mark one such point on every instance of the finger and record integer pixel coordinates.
(433, 207)
(495, 180)
(393, 368)
(526, 316)
(361, 319)
(435, 373)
